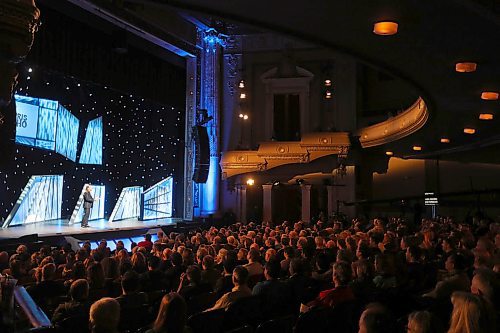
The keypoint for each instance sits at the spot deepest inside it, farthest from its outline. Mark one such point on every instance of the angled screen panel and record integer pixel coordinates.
(39, 201)
(97, 211)
(157, 200)
(128, 204)
(67, 133)
(92, 145)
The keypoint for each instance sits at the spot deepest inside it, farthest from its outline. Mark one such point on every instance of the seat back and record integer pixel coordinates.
(209, 321)
(315, 320)
(246, 310)
(277, 325)
(201, 302)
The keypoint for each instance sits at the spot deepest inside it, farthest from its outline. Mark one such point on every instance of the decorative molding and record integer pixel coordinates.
(395, 128)
(273, 154)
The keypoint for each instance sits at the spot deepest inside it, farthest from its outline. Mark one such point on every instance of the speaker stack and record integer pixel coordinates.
(202, 154)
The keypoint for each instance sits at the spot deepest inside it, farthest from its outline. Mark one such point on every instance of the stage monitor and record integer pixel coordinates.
(39, 201)
(92, 145)
(97, 211)
(46, 124)
(157, 200)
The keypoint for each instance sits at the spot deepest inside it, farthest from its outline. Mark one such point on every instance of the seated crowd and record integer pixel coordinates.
(382, 275)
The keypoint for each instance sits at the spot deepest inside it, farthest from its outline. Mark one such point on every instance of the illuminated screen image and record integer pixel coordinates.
(46, 124)
(92, 145)
(157, 200)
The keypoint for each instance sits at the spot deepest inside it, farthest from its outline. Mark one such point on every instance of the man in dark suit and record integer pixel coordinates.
(88, 202)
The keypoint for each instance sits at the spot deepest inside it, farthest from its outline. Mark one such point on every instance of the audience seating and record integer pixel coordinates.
(277, 325)
(209, 321)
(246, 310)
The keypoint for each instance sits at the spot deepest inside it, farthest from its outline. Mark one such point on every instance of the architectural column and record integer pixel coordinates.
(242, 209)
(331, 200)
(306, 203)
(209, 97)
(267, 205)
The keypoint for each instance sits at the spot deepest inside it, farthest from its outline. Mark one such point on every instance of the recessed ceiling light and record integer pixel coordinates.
(486, 116)
(385, 28)
(465, 67)
(489, 95)
(469, 130)
(417, 148)
(389, 153)
(445, 140)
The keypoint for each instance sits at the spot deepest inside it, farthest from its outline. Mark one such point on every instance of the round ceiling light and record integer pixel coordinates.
(465, 67)
(385, 28)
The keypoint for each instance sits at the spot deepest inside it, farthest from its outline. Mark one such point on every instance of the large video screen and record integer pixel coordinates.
(46, 124)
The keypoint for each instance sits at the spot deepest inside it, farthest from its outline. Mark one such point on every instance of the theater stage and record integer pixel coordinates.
(62, 228)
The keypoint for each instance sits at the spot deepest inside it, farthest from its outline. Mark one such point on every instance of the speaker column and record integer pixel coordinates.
(202, 154)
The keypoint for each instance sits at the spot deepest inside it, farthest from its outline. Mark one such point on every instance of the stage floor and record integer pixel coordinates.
(61, 227)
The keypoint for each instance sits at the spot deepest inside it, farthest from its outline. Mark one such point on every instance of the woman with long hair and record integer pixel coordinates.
(172, 315)
(471, 314)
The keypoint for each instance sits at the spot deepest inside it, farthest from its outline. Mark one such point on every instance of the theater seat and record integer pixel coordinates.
(315, 320)
(209, 321)
(277, 325)
(201, 302)
(246, 310)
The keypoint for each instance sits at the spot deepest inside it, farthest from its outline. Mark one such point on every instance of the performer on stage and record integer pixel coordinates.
(88, 202)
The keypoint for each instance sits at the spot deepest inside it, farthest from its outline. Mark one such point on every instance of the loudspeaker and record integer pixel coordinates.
(202, 154)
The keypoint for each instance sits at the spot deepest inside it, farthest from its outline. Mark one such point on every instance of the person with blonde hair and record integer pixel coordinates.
(471, 314)
(104, 316)
(172, 315)
(423, 322)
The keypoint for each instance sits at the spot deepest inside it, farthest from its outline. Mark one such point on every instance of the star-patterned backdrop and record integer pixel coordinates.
(143, 141)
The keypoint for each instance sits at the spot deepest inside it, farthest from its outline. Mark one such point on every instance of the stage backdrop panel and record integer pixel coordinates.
(92, 145)
(97, 211)
(128, 204)
(39, 201)
(157, 200)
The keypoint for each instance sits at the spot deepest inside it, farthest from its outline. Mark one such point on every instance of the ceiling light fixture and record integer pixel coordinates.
(417, 148)
(465, 67)
(489, 95)
(469, 130)
(486, 116)
(385, 28)
(389, 153)
(445, 140)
